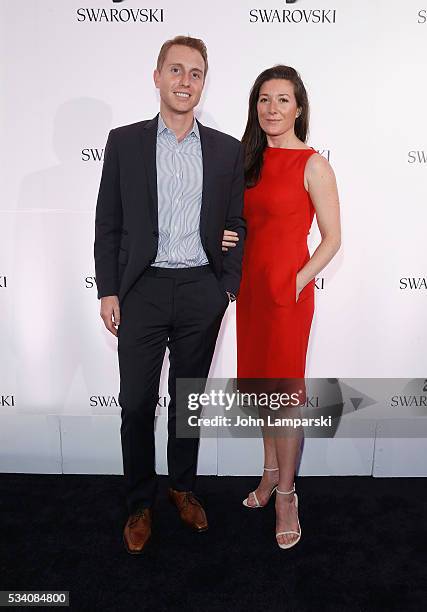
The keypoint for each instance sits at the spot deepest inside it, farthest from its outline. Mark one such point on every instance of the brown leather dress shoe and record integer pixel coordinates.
(190, 509)
(137, 531)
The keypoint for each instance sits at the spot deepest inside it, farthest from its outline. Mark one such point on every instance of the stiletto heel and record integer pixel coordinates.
(257, 504)
(298, 533)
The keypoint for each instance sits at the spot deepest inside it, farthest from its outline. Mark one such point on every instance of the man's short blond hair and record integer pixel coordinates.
(186, 41)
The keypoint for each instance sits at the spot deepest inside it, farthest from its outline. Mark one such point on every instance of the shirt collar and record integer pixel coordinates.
(162, 127)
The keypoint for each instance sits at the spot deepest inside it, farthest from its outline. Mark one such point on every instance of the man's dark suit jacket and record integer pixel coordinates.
(126, 226)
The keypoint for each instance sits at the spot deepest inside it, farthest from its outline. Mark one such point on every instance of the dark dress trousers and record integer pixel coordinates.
(178, 308)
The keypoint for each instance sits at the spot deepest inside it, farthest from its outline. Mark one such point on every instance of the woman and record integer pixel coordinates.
(287, 182)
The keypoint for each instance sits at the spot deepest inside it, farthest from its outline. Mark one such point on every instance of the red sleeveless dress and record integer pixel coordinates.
(272, 328)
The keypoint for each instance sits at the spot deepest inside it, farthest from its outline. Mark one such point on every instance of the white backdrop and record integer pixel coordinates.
(72, 70)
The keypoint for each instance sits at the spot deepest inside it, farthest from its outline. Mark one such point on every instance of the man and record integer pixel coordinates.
(169, 188)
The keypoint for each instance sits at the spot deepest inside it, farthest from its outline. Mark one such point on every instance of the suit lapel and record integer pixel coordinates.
(209, 160)
(148, 137)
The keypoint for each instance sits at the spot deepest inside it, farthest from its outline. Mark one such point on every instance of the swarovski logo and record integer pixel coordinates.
(417, 157)
(413, 283)
(409, 401)
(103, 400)
(412, 396)
(108, 401)
(122, 15)
(7, 400)
(92, 155)
(90, 282)
(312, 402)
(326, 153)
(295, 16)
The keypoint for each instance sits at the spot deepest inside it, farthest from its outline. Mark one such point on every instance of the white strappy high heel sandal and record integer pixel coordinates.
(257, 504)
(298, 533)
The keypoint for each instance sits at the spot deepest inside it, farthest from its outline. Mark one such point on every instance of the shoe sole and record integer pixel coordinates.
(288, 546)
(199, 530)
(194, 529)
(244, 502)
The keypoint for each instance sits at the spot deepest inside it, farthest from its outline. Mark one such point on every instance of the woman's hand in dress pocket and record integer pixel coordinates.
(298, 287)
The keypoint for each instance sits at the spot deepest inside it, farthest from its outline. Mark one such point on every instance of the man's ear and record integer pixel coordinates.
(156, 77)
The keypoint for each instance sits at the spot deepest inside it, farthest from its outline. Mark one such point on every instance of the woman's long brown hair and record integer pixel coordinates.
(254, 139)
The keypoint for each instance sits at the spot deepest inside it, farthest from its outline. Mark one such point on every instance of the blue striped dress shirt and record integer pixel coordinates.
(179, 193)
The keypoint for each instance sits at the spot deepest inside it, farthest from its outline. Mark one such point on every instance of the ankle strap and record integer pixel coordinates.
(270, 469)
(286, 492)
